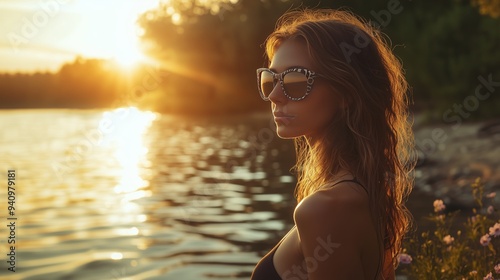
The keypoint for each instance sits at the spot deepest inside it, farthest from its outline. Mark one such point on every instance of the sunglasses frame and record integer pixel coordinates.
(310, 75)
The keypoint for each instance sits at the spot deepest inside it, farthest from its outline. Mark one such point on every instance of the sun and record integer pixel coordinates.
(109, 30)
(128, 58)
(126, 49)
(127, 52)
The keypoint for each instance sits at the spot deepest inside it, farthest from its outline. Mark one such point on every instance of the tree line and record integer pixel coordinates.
(207, 56)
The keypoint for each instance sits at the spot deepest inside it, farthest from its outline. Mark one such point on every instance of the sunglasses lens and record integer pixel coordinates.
(266, 83)
(295, 84)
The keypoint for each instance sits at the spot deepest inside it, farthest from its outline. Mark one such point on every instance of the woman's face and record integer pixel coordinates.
(308, 117)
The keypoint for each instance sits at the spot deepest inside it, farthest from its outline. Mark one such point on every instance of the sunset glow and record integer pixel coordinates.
(42, 36)
(117, 30)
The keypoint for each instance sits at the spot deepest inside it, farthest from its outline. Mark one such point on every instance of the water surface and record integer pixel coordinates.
(125, 194)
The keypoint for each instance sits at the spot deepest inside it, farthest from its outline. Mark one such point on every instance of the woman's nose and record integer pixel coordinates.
(277, 95)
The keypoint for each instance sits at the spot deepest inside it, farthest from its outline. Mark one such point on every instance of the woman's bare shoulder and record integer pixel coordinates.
(346, 199)
(337, 219)
(342, 212)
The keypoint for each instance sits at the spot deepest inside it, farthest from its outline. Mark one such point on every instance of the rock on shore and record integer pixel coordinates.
(451, 157)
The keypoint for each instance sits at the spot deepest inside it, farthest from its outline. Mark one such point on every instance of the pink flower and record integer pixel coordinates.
(489, 277)
(491, 195)
(438, 205)
(495, 230)
(497, 268)
(490, 209)
(405, 258)
(485, 240)
(448, 239)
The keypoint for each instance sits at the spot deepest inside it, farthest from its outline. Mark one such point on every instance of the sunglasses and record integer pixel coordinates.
(296, 83)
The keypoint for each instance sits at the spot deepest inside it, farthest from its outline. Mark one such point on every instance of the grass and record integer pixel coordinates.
(443, 252)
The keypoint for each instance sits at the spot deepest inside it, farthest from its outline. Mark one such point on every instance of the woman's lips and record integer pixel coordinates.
(281, 114)
(282, 118)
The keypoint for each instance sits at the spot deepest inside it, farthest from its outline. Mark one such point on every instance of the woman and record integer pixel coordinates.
(337, 89)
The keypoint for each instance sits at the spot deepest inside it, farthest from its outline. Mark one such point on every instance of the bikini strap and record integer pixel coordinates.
(354, 180)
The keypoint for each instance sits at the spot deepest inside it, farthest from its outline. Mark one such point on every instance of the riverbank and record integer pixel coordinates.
(451, 157)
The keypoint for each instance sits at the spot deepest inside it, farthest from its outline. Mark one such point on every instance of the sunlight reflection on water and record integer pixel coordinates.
(127, 141)
(150, 197)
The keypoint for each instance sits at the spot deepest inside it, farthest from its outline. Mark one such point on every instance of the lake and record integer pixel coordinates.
(126, 194)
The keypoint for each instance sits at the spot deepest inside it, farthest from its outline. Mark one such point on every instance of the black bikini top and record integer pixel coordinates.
(265, 269)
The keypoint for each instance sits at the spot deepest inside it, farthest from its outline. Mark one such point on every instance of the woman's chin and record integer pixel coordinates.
(285, 132)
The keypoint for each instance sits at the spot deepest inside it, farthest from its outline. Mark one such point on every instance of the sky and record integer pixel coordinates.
(41, 35)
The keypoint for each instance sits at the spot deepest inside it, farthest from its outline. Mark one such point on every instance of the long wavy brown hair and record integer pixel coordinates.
(371, 134)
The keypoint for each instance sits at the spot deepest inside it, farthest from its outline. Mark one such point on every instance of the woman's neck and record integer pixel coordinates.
(342, 174)
(316, 148)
